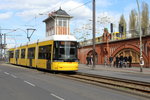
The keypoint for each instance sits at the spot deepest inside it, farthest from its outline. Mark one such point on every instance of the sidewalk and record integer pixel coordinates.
(132, 73)
(108, 68)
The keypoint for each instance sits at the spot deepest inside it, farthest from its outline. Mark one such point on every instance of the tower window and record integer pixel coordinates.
(62, 22)
(65, 23)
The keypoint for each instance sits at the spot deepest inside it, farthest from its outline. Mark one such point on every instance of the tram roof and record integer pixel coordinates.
(53, 37)
(60, 38)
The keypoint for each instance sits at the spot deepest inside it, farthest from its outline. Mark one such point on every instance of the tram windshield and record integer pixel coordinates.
(65, 50)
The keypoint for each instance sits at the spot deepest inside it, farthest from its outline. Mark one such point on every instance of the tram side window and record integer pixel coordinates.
(17, 53)
(31, 53)
(22, 53)
(45, 52)
(11, 54)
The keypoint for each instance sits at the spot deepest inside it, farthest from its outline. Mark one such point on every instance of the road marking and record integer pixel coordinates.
(29, 83)
(57, 96)
(13, 76)
(6, 73)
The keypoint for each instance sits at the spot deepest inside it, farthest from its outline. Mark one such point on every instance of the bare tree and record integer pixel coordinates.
(145, 18)
(123, 25)
(133, 23)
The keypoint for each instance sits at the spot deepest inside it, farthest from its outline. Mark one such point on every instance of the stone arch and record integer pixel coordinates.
(96, 55)
(131, 47)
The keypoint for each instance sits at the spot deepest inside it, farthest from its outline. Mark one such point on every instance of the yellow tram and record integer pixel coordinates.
(56, 53)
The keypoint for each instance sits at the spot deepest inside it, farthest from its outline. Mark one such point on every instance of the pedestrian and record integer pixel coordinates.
(130, 60)
(88, 59)
(91, 60)
(114, 62)
(117, 61)
(125, 61)
(121, 61)
(105, 61)
(111, 61)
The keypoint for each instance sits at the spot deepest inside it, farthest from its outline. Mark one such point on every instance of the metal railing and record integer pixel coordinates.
(99, 40)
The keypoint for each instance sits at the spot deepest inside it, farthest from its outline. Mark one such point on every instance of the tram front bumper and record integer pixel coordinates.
(65, 66)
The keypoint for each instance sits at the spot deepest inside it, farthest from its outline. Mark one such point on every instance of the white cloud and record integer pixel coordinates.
(18, 6)
(27, 3)
(5, 15)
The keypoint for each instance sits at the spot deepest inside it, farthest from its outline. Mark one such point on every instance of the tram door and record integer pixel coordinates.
(49, 64)
(16, 60)
(45, 54)
(48, 57)
(17, 56)
(30, 62)
(31, 55)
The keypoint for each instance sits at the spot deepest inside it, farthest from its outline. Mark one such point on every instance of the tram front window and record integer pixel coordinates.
(65, 51)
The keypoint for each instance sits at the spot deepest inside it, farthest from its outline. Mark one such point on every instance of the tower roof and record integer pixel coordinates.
(58, 13)
(61, 12)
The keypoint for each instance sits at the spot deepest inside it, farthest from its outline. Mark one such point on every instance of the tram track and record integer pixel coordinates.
(125, 85)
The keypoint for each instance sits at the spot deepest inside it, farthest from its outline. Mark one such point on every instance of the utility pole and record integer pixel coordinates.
(93, 35)
(139, 26)
(0, 44)
(3, 42)
(4, 46)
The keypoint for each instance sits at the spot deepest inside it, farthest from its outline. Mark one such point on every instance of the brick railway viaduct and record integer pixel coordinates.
(112, 48)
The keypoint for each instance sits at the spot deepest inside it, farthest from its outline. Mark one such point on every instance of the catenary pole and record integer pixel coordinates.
(139, 27)
(93, 34)
(0, 44)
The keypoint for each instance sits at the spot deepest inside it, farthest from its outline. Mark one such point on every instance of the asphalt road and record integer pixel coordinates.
(19, 83)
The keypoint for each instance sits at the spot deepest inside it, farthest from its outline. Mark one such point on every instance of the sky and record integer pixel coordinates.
(24, 14)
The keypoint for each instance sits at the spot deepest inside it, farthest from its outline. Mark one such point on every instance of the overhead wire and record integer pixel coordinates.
(80, 6)
(13, 30)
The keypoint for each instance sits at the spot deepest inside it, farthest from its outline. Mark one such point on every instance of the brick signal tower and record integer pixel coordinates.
(58, 23)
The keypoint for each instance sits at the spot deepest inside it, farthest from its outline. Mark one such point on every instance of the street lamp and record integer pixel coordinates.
(139, 25)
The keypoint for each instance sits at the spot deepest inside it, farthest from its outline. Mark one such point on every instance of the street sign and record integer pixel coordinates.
(141, 61)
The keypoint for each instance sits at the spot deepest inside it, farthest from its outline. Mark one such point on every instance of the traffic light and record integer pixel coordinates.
(111, 27)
